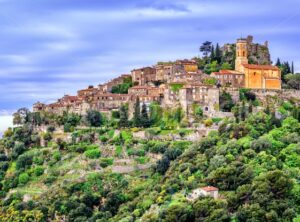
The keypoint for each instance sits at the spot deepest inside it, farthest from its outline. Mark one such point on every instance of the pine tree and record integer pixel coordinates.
(137, 113)
(278, 62)
(218, 54)
(123, 117)
(212, 54)
(145, 122)
(243, 111)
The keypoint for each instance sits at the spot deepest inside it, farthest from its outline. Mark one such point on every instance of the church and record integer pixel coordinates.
(249, 75)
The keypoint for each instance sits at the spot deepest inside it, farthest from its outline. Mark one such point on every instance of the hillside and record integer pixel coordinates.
(61, 168)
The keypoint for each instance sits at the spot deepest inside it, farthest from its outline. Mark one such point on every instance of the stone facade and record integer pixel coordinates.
(143, 75)
(229, 78)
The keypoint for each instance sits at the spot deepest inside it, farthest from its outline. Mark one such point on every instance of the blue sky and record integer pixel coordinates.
(49, 48)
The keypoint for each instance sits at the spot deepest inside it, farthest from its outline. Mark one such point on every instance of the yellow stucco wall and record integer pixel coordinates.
(262, 79)
(190, 68)
(273, 84)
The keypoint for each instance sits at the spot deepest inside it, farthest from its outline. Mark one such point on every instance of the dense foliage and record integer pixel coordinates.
(253, 159)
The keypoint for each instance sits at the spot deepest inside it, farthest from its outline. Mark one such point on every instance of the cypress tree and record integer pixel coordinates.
(212, 53)
(243, 111)
(137, 113)
(145, 122)
(218, 54)
(278, 62)
(123, 117)
(292, 68)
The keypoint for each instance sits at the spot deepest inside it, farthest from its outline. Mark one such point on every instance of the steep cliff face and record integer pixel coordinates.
(257, 53)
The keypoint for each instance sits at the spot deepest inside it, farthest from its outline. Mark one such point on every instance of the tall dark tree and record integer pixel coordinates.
(212, 53)
(292, 68)
(145, 122)
(278, 62)
(123, 117)
(94, 118)
(218, 54)
(137, 113)
(206, 48)
(285, 69)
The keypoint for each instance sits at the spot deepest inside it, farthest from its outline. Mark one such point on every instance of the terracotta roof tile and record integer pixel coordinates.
(209, 188)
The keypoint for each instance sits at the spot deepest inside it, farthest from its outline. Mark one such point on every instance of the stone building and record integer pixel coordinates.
(208, 191)
(255, 76)
(143, 75)
(38, 106)
(229, 78)
(188, 65)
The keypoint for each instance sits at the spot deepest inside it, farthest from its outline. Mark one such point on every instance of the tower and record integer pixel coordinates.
(241, 55)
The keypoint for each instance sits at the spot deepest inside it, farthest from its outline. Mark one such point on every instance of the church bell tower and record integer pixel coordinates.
(241, 55)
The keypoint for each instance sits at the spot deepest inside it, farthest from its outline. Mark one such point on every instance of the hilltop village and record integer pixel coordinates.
(176, 83)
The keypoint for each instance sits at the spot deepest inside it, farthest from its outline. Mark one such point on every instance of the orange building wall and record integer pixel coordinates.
(253, 79)
(190, 68)
(273, 84)
(262, 79)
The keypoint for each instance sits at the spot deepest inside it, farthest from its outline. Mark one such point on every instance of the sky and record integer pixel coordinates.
(49, 48)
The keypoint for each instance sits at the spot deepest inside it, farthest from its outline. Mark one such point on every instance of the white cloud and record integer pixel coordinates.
(5, 122)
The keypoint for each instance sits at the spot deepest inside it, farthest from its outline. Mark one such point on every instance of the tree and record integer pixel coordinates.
(278, 63)
(292, 68)
(137, 113)
(212, 53)
(155, 113)
(206, 48)
(212, 67)
(226, 66)
(293, 80)
(21, 116)
(218, 54)
(94, 118)
(226, 102)
(123, 117)
(145, 122)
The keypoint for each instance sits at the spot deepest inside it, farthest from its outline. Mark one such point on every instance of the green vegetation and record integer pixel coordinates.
(175, 87)
(92, 154)
(122, 88)
(112, 173)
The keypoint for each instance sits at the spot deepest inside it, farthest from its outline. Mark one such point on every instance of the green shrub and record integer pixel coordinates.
(23, 178)
(111, 133)
(136, 152)
(118, 150)
(38, 171)
(142, 160)
(103, 139)
(92, 154)
(208, 122)
(49, 179)
(105, 162)
(24, 161)
(216, 120)
(56, 155)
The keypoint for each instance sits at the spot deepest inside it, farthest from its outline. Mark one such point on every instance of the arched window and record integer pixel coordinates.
(243, 53)
(206, 108)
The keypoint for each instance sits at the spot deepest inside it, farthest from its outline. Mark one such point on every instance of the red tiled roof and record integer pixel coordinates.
(209, 188)
(226, 71)
(265, 67)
